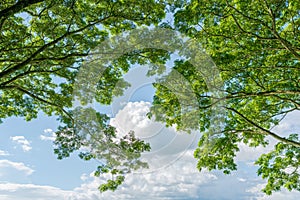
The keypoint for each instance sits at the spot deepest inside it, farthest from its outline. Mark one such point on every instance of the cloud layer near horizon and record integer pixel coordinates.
(172, 173)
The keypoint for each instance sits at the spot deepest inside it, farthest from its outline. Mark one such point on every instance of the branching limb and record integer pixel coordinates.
(21, 4)
(268, 132)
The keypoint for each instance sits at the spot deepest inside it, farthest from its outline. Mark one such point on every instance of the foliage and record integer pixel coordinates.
(281, 166)
(43, 44)
(254, 44)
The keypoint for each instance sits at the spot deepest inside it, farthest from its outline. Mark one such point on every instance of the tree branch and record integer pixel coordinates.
(283, 42)
(2, 85)
(265, 93)
(41, 49)
(21, 4)
(250, 33)
(23, 90)
(268, 132)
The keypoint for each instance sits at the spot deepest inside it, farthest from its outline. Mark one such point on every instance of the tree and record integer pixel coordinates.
(255, 45)
(43, 44)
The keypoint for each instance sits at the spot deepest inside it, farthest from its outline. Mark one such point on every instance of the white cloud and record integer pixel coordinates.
(133, 117)
(242, 180)
(84, 177)
(13, 191)
(16, 165)
(49, 135)
(172, 168)
(283, 194)
(181, 180)
(25, 144)
(290, 124)
(4, 153)
(163, 141)
(247, 153)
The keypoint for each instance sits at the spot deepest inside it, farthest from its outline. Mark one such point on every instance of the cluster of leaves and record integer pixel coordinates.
(131, 148)
(281, 167)
(96, 139)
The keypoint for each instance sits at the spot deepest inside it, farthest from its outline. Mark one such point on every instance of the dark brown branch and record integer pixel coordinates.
(296, 104)
(283, 42)
(21, 4)
(41, 49)
(23, 90)
(265, 93)
(246, 16)
(286, 44)
(61, 58)
(268, 132)
(250, 33)
(2, 85)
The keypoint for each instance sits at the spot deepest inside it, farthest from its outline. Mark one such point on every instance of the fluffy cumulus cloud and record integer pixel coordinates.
(179, 180)
(19, 166)
(49, 135)
(166, 144)
(133, 117)
(21, 140)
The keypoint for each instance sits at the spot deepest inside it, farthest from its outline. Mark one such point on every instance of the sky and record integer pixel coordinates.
(29, 169)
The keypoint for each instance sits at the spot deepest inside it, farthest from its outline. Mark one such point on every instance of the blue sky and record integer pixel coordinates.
(30, 170)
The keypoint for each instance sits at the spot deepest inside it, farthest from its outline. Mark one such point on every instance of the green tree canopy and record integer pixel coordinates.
(43, 44)
(254, 44)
